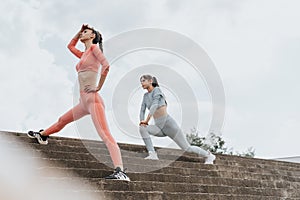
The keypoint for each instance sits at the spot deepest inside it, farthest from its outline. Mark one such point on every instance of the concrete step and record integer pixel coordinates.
(234, 182)
(187, 196)
(156, 195)
(141, 165)
(67, 150)
(177, 175)
(78, 145)
(193, 189)
(279, 181)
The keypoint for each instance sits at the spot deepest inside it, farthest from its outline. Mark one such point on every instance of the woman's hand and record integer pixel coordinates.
(83, 26)
(89, 89)
(143, 123)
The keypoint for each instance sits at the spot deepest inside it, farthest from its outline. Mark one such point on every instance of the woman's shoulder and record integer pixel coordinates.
(157, 90)
(94, 46)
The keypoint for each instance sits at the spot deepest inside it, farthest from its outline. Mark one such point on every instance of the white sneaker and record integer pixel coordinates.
(40, 138)
(152, 156)
(210, 159)
(118, 175)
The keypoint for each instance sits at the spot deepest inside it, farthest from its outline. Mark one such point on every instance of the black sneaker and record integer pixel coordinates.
(40, 138)
(118, 175)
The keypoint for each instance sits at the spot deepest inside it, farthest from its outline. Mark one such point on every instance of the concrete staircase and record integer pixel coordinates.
(177, 175)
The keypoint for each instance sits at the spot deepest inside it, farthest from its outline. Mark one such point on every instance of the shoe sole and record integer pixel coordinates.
(42, 142)
(39, 139)
(128, 180)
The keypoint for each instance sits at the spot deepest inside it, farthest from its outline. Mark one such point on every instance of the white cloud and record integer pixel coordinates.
(35, 90)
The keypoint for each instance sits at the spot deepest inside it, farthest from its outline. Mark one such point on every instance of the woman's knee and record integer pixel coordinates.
(109, 140)
(183, 144)
(143, 131)
(189, 149)
(111, 145)
(142, 128)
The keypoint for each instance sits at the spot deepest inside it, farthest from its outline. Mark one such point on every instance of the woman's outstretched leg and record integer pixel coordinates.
(72, 115)
(172, 130)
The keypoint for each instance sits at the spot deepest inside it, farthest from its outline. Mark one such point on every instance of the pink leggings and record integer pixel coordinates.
(90, 103)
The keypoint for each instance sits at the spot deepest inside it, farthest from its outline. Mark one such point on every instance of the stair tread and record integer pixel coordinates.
(177, 175)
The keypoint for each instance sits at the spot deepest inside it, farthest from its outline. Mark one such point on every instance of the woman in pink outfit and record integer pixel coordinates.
(90, 101)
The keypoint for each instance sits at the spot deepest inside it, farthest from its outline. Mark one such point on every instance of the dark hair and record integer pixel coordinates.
(98, 39)
(149, 77)
(154, 82)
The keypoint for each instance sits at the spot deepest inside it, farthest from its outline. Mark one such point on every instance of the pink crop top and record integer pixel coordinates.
(90, 60)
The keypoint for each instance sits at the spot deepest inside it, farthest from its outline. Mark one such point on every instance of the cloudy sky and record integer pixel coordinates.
(254, 45)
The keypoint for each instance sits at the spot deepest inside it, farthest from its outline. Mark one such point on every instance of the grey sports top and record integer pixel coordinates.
(152, 100)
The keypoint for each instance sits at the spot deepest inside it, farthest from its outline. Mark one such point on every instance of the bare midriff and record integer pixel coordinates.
(86, 78)
(160, 112)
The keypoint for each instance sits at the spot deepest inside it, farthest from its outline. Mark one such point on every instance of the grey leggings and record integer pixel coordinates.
(166, 126)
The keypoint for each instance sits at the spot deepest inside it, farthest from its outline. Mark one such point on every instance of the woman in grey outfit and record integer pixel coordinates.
(165, 125)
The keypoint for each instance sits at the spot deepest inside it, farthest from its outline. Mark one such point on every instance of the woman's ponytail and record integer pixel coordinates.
(154, 82)
(98, 39)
